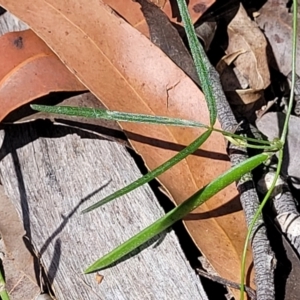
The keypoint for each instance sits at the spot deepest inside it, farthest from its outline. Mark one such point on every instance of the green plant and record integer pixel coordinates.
(202, 66)
(3, 292)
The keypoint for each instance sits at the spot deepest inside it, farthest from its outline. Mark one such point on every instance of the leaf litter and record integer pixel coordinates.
(258, 77)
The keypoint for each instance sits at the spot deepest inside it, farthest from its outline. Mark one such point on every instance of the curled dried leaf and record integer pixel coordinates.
(29, 70)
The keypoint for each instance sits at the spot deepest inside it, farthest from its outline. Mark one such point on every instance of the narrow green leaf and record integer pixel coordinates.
(115, 115)
(201, 61)
(4, 295)
(154, 173)
(3, 292)
(179, 212)
(139, 118)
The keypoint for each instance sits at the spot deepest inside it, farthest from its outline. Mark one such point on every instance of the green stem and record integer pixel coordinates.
(253, 222)
(280, 154)
(293, 81)
(239, 137)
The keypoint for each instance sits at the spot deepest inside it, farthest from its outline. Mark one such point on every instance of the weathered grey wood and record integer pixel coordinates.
(50, 180)
(51, 173)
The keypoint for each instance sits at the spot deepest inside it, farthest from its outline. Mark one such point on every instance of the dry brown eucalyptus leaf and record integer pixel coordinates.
(246, 39)
(227, 60)
(245, 35)
(127, 72)
(29, 70)
(165, 36)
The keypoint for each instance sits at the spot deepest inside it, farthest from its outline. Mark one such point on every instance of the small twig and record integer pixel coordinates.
(251, 293)
(263, 256)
